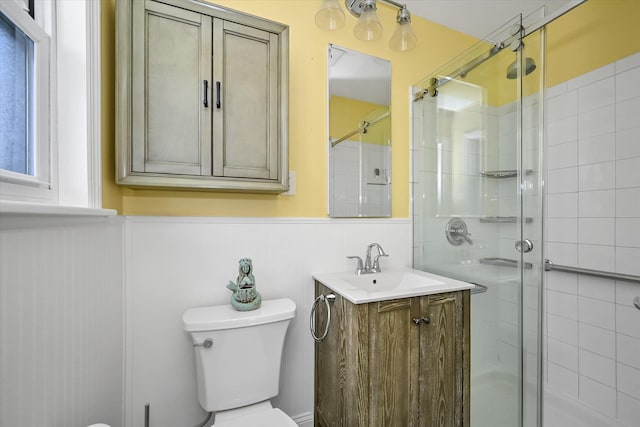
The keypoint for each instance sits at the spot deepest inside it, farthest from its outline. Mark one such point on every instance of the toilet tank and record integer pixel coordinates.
(242, 366)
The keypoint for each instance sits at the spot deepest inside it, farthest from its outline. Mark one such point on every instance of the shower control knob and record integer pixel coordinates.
(524, 246)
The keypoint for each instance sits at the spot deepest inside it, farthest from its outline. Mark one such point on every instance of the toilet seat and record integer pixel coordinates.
(273, 417)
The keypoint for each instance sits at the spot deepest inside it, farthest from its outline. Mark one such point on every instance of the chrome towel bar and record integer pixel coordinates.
(549, 266)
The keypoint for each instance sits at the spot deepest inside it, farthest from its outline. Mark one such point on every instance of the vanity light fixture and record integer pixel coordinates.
(331, 17)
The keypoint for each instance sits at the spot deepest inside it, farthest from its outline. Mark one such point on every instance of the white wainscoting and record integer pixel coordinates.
(177, 263)
(61, 321)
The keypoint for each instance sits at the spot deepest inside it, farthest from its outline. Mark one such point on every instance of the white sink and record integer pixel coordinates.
(389, 284)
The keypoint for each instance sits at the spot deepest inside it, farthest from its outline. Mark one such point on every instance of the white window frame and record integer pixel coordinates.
(69, 135)
(16, 184)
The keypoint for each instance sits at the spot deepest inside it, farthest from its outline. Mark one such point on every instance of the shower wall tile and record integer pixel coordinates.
(562, 354)
(562, 329)
(562, 130)
(598, 368)
(627, 145)
(563, 106)
(597, 257)
(598, 396)
(596, 95)
(597, 149)
(627, 114)
(562, 205)
(562, 155)
(561, 304)
(627, 262)
(596, 231)
(628, 232)
(562, 282)
(598, 176)
(628, 173)
(597, 313)
(563, 380)
(628, 410)
(564, 230)
(629, 380)
(628, 320)
(597, 340)
(627, 205)
(562, 180)
(596, 204)
(562, 253)
(627, 84)
(597, 288)
(628, 350)
(607, 213)
(597, 122)
(626, 292)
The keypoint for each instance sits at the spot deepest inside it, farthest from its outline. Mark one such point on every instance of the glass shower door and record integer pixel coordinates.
(477, 213)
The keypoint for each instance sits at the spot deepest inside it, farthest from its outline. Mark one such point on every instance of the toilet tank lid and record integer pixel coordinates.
(219, 317)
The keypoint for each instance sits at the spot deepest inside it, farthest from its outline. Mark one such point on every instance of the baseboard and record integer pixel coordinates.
(304, 420)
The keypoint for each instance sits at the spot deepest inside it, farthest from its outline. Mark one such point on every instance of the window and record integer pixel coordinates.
(50, 102)
(25, 142)
(16, 92)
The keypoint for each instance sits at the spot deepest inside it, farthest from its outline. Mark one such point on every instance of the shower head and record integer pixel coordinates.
(529, 66)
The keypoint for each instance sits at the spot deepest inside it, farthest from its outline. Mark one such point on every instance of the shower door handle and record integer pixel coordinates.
(524, 246)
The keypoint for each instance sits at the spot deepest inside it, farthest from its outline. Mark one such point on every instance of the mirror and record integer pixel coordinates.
(359, 134)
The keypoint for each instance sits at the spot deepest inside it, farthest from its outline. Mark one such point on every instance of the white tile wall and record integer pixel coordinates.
(593, 221)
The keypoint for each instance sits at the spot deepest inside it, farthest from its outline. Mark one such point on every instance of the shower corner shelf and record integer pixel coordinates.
(503, 219)
(504, 262)
(500, 174)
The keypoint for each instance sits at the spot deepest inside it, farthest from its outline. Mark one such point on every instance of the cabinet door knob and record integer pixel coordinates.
(416, 320)
(426, 320)
(218, 95)
(205, 102)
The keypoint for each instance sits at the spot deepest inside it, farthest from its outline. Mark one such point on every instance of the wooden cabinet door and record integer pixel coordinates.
(442, 360)
(246, 114)
(394, 363)
(171, 60)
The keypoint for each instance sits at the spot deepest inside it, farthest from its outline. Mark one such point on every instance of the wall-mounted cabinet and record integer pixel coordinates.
(402, 362)
(202, 97)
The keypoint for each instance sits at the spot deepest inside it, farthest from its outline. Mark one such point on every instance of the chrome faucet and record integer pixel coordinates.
(369, 265)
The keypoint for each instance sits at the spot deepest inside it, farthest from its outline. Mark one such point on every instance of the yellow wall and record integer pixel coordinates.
(592, 35)
(307, 114)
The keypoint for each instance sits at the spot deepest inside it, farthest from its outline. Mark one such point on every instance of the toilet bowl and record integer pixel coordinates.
(238, 360)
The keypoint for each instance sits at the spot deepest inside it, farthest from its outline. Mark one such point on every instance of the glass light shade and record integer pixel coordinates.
(330, 16)
(403, 38)
(368, 27)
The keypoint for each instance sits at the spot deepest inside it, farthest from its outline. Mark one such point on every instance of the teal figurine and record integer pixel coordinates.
(245, 297)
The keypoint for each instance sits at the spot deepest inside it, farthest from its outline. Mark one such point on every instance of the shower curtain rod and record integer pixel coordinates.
(361, 129)
(435, 83)
(549, 266)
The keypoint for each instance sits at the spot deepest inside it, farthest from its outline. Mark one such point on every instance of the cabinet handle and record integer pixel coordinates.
(218, 95)
(426, 320)
(206, 92)
(418, 320)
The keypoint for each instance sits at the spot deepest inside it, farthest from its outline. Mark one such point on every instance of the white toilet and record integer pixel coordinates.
(238, 358)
